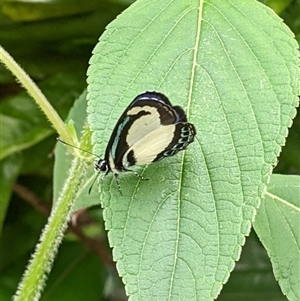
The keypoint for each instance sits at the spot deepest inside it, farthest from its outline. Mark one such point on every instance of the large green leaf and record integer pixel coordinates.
(278, 226)
(233, 66)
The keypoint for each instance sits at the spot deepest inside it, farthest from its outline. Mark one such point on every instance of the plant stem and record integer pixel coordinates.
(33, 281)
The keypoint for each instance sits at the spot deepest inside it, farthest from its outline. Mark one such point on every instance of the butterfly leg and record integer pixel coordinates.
(118, 183)
(95, 179)
(137, 175)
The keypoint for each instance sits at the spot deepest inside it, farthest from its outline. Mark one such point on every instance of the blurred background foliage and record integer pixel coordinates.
(53, 40)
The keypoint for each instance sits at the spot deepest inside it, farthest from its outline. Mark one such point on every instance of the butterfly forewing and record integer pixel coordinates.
(146, 149)
(165, 141)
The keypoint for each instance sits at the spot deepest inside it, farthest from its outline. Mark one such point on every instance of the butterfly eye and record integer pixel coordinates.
(101, 165)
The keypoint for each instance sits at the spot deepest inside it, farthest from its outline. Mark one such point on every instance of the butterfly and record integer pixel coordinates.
(150, 129)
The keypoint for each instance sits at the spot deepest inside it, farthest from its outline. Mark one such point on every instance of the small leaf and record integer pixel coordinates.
(24, 125)
(64, 157)
(277, 225)
(233, 67)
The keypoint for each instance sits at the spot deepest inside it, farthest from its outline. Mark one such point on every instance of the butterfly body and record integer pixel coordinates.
(149, 130)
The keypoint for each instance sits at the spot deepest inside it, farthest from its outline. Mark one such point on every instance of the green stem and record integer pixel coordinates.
(36, 94)
(34, 278)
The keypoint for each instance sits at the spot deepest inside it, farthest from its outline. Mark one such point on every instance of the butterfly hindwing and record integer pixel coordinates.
(183, 135)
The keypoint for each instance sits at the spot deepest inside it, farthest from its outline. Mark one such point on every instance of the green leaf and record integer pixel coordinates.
(233, 67)
(277, 225)
(24, 123)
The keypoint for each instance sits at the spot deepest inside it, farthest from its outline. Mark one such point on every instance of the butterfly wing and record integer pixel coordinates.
(144, 115)
(148, 130)
(147, 116)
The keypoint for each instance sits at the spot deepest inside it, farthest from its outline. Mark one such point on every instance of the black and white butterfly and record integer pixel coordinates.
(150, 129)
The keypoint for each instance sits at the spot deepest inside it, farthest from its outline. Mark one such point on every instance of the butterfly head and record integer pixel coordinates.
(101, 165)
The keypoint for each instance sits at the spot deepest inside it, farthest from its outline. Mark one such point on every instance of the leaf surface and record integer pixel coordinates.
(278, 227)
(233, 67)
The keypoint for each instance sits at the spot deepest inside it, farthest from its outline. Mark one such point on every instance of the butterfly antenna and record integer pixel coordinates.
(66, 143)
